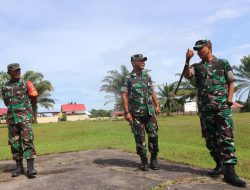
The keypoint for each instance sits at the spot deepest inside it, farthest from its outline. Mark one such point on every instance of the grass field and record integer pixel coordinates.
(179, 139)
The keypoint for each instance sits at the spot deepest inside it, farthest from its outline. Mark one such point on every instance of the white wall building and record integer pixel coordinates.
(190, 107)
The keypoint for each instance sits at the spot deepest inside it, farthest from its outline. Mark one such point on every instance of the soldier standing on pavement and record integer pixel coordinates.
(215, 84)
(140, 106)
(18, 99)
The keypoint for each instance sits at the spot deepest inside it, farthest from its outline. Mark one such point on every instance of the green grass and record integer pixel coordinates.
(179, 139)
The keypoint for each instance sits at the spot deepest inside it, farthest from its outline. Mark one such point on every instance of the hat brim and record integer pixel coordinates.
(15, 69)
(198, 48)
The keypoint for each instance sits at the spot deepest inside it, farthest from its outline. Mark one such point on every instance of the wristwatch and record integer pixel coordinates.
(229, 103)
(126, 113)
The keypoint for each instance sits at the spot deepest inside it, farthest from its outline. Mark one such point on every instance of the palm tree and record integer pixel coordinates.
(43, 87)
(242, 75)
(112, 85)
(187, 89)
(3, 77)
(167, 98)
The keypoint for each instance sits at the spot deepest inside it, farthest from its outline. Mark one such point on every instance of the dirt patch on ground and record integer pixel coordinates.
(106, 170)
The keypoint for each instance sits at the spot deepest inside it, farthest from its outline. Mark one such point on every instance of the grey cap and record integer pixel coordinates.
(13, 67)
(138, 57)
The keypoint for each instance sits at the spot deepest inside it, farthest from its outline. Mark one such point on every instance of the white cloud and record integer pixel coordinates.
(229, 12)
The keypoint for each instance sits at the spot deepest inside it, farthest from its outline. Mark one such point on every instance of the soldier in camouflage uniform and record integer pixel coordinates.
(21, 136)
(215, 85)
(141, 105)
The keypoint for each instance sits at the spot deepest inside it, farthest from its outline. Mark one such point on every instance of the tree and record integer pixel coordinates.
(187, 89)
(112, 85)
(3, 77)
(242, 79)
(43, 87)
(167, 97)
(100, 113)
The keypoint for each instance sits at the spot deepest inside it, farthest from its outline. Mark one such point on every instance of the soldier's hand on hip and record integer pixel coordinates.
(189, 55)
(128, 117)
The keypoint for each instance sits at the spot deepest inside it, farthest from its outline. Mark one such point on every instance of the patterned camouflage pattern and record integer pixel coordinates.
(139, 94)
(211, 82)
(21, 145)
(138, 57)
(215, 114)
(200, 44)
(138, 127)
(218, 131)
(19, 116)
(142, 108)
(16, 98)
(13, 67)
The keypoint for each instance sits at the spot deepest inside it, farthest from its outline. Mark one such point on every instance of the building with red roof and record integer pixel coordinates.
(74, 112)
(73, 108)
(3, 111)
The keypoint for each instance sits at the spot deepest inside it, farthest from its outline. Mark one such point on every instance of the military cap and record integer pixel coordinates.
(200, 44)
(138, 57)
(13, 67)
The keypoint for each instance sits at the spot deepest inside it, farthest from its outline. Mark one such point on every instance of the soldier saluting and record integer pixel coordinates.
(215, 84)
(140, 105)
(17, 96)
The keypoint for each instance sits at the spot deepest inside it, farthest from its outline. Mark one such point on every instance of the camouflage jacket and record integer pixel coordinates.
(16, 98)
(139, 90)
(212, 84)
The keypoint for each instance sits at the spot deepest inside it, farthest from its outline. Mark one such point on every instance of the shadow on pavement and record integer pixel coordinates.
(7, 168)
(133, 164)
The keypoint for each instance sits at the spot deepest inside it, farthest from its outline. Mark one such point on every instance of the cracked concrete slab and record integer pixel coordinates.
(106, 169)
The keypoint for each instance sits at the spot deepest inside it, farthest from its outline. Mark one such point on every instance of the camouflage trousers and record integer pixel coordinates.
(217, 129)
(149, 124)
(21, 138)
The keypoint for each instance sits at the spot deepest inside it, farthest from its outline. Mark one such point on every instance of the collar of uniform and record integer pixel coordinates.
(11, 81)
(143, 73)
(215, 59)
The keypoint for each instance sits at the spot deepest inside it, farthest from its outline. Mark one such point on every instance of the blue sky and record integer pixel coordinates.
(74, 43)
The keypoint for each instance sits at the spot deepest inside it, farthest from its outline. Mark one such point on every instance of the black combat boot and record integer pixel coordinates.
(218, 170)
(231, 177)
(30, 168)
(19, 168)
(153, 162)
(144, 163)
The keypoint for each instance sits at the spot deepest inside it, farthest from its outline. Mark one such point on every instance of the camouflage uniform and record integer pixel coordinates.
(19, 116)
(215, 114)
(142, 109)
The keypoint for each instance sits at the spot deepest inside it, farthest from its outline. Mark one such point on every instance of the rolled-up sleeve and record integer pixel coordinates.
(124, 87)
(192, 71)
(229, 72)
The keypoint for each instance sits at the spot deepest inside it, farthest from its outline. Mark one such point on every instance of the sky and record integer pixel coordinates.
(74, 43)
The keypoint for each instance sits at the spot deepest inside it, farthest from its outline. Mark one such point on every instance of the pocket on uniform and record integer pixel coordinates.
(219, 77)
